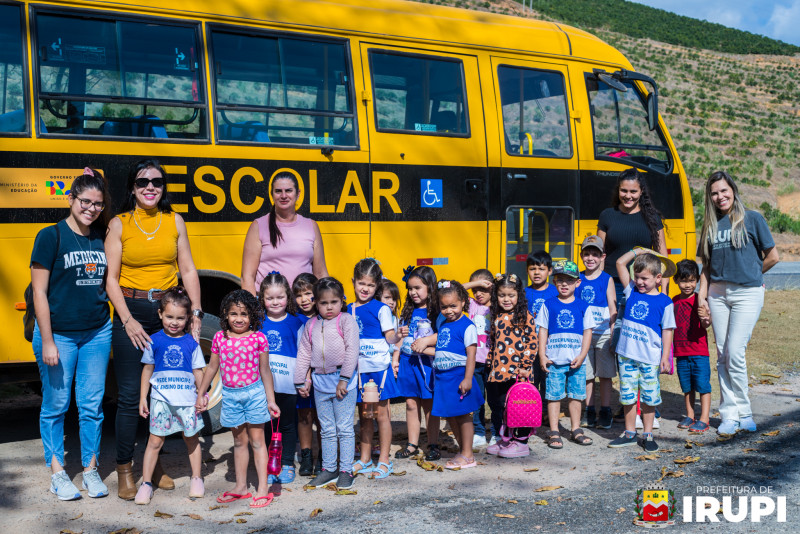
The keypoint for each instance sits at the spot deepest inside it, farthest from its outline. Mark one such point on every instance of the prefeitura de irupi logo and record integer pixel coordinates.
(655, 507)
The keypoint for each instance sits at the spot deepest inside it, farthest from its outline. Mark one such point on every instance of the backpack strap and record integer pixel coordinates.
(310, 328)
(338, 326)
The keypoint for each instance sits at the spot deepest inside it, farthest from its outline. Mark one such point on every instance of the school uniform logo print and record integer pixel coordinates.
(360, 326)
(587, 294)
(640, 310)
(565, 319)
(444, 338)
(172, 356)
(274, 340)
(537, 305)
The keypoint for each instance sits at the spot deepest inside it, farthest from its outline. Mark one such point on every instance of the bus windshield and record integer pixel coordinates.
(621, 131)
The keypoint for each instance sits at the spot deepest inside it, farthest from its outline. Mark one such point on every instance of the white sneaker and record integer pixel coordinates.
(479, 441)
(639, 421)
(656, 423)
(493, 441)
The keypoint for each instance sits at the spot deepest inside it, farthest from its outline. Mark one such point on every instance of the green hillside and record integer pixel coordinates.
(640, 21)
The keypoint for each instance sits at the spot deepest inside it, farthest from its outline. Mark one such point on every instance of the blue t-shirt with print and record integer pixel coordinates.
(645, 318)
(419, 314)
(536, 298)
(565, 323)
(173, 359)
(373, 318)
(595, 294)
(452, 342)
(282, 338)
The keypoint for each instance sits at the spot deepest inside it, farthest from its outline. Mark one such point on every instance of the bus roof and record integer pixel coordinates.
(406, 20)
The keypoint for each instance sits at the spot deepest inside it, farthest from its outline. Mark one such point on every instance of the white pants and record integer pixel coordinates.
(734, 312)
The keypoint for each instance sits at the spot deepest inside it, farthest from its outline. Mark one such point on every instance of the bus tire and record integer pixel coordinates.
(212, 413)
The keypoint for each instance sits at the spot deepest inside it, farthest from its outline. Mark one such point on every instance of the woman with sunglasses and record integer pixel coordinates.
(146, 246)
(72, 334)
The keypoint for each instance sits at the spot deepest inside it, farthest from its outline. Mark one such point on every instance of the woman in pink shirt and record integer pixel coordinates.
(282, 240)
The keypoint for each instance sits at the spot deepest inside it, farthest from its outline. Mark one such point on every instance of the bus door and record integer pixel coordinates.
(428, 143)
(539, 175)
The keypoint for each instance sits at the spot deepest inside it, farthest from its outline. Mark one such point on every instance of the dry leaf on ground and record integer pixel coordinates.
(194, 516)
(255, 530)
(399, 474)
(506, 516)
(240, 520)
(670, 474)
(67, 531)
(512, 501)
(541, 503)
(346, 492)
(773, 433)
(686, 460)
(776, 415)
(162, 514)
(242, 513)
(315, 512)
(725, 437)
(378, 502)
(645, 457)
(126, 530)
(76, 517)
(749, 450)
(619, 473)
(770, 375)
(530, 469)
(308, 488)
(548, 488)
(620, 510)
(225, 522)
(217, 507)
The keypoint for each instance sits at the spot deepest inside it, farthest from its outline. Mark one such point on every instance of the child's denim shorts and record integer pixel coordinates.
(563, 378)
(247, 404)
(694, 372)
(635, 377)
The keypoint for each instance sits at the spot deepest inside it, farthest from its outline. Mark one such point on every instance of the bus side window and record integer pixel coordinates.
(13, 117)
(282, 89)
(419, 94)
(621, 131)
(119, 78)
(535, 119)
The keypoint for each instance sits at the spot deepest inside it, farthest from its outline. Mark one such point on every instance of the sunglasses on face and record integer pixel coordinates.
(142, 183)
(86, 203)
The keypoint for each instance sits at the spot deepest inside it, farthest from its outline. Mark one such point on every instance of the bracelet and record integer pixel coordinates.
(206, 395)
(125, 322)
(309, 381)
(634, 252)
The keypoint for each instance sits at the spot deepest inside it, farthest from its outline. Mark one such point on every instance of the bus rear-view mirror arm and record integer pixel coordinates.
(616, 80)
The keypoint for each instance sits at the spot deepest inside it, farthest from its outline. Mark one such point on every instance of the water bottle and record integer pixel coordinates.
(424, 329)
(370, 398)
(275, 451)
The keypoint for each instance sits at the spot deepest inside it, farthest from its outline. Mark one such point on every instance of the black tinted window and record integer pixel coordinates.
(13, 117)
(119, 78)
(275, 89)
(419, 94)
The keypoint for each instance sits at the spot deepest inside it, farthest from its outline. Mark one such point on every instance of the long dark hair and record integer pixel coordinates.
(164, 205)
(275, 234)
(277, 279)
(428, 277)
(520, 311)
(95, 181)
(652, 217)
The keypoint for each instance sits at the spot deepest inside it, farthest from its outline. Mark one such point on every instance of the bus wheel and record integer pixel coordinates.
(211, 415)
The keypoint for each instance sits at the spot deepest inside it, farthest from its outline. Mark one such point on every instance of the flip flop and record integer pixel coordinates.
(230, 497)
(268, 497)
(468, 463)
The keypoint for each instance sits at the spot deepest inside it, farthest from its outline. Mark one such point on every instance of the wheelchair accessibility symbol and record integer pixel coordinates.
(431, 193)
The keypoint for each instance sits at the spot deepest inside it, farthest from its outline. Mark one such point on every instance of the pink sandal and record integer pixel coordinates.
(268, 497)
(454, 464)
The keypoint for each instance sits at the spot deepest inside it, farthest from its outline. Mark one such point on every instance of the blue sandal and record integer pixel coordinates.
(363, 467)
(379, 473)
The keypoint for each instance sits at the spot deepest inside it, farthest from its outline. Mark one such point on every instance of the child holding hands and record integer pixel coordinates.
(481, 283)
(565, 334)
(644, 342)
(240, 352)
(690, 347)
(173, 366)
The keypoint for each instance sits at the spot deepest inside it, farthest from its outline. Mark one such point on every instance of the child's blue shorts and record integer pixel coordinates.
(244, 405)
(564, 381)
(694, 372)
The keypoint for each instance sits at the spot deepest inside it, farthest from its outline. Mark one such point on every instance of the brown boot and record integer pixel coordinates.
(161, 479)
(126, 487)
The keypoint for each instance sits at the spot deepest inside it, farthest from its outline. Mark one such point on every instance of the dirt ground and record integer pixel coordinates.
(499, 494)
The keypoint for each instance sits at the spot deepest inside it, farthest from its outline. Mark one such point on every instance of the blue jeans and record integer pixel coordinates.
(82, 356)
(336, 428)
(479, 415)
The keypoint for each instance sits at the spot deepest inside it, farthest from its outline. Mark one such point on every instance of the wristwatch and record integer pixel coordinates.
(198, 313)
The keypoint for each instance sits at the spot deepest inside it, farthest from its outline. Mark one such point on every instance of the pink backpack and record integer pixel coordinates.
(523, 407)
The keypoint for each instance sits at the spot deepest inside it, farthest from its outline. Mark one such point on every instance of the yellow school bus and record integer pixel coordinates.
(420, 135)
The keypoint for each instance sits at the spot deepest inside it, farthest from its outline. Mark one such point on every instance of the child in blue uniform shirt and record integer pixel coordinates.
(283, 328)
(377, 337)
(645, 340)
(540, 267)
(565, 333)
(457, 394)
(598, 292)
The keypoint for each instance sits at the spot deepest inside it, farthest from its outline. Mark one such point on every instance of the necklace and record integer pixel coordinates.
(88, 238)
(148, 235)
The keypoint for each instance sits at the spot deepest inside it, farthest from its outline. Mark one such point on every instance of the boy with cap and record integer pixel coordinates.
(598, 292)
(565, 333)
(644, 342)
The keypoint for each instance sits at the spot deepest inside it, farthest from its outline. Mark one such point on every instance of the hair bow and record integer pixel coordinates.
(274, 272)
(87, 171)
(512, 278)
(498, 276)
(407, 272)
(373, 259)
(444, 284)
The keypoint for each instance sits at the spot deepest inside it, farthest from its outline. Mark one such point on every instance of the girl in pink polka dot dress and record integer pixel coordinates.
(239, 351)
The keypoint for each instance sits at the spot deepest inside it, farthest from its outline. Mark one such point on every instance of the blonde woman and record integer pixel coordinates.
(736, 248)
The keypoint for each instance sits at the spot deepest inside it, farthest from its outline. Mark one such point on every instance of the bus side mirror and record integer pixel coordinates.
(652, 111)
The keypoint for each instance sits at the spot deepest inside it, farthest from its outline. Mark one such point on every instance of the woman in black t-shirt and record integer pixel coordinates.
(72, 336)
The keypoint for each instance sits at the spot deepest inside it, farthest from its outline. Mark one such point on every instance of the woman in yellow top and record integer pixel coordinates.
(146, 246)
